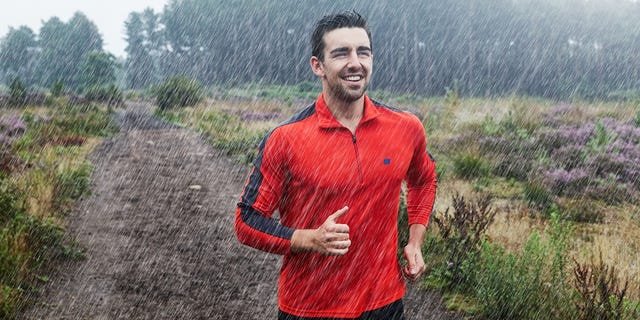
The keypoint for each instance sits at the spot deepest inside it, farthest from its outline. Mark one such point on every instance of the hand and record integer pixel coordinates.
(415, 263)
(331, 238)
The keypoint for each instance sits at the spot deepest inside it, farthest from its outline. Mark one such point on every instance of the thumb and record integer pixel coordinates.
(336, 215)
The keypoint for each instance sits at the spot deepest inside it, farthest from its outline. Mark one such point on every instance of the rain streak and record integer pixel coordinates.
(120, 175)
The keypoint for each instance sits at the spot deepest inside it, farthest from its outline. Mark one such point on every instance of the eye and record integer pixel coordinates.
(364, 53)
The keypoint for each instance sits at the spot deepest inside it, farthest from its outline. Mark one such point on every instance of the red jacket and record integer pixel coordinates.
(309, 167)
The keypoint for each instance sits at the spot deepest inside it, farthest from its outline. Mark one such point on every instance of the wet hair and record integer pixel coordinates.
(347, 19)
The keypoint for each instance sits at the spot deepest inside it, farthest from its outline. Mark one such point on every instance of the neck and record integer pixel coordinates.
(347, 113)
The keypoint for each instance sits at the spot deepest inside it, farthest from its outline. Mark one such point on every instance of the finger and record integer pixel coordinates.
(344, 244)
(409, 276)
(337, 252)
(338, 228)
(336, 215)
(407, 273)
(337, 236)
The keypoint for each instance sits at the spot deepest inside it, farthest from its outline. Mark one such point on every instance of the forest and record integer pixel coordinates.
(543, 48)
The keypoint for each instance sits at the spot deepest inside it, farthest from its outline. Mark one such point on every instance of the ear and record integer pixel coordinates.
(316, 66)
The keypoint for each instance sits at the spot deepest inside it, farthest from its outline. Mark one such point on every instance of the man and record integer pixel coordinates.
(334, 173)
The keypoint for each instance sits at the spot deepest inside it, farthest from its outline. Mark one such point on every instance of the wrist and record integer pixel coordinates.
(301, 240)
(416, 235)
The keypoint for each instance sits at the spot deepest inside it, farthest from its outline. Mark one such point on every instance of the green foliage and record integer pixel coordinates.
(601, 138)
(288, 93)
(452, 96)
(537, 195)
(143, 36)
(57, 88)
(30, 244)
(469, 166)
(64, 48)
(526, 285)
(17, 53)
(98, 69)
(17, 92)
(601, 295)
(461, 234)
(403, 224)
(178, 92)
(225, 131)
(26, 244)
(71, 184)
(109, 95)
(10, 204)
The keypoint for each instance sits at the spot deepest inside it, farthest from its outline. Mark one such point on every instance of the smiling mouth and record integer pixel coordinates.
(354, 78)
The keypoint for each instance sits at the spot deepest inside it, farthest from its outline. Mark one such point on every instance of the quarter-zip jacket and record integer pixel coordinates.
(310, 166)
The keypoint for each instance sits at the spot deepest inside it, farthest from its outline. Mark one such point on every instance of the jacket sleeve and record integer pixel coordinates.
(254, 225)
(421, 180)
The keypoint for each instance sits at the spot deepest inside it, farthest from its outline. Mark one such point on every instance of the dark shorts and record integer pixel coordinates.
(393, 311)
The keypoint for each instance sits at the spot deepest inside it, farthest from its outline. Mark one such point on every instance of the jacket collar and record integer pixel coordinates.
(327, 120)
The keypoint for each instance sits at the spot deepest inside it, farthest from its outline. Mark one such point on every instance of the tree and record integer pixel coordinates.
(98, 69)
(143, 49)
(18, 54)
(64, 47)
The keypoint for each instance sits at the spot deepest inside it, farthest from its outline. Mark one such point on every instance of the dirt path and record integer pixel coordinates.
(158, 230)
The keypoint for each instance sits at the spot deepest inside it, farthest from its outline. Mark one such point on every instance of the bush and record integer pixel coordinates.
(531, 284)
(109, 95)
(71, 184)
(601, 295)
(17, 93)
(462, 232)
(537, 195)
(178, 92)
(57, 88)
(469, 166)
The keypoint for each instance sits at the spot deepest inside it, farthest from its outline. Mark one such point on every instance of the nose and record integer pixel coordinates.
(354, 61)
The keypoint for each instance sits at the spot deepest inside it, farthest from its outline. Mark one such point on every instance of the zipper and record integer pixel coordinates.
(355, 147)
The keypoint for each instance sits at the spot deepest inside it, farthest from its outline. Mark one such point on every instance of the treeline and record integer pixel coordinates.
(63, 56)
(547, 48)
(544, 48)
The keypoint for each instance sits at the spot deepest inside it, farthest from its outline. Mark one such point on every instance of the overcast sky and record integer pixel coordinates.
(108, 15)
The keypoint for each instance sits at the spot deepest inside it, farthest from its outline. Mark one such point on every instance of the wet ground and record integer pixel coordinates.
(158, 229)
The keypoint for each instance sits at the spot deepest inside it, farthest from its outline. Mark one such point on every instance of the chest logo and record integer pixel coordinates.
(386, 161)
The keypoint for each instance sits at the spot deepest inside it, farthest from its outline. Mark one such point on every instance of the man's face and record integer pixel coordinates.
(346, 69)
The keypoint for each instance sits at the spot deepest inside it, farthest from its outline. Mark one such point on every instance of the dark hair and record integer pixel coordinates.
(347, 19)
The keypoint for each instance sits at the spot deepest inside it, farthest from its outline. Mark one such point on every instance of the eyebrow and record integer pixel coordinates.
(345, 49)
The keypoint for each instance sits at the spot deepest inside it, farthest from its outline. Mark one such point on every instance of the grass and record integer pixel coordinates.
(525, 208)
(221, 122)
(48, 171)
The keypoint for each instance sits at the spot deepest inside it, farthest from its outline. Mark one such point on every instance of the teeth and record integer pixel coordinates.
(354, 78)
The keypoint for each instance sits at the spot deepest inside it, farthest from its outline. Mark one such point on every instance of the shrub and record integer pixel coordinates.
(57, 88)
(11, 128)
(537, 195)
(17, 93)
(9, 201)
(178, 92)
(109, 95)
(70, 184)
(462, 232)
(597, 159)
(469, 166)
(510, 156)
(601, 295)
(526, 285)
